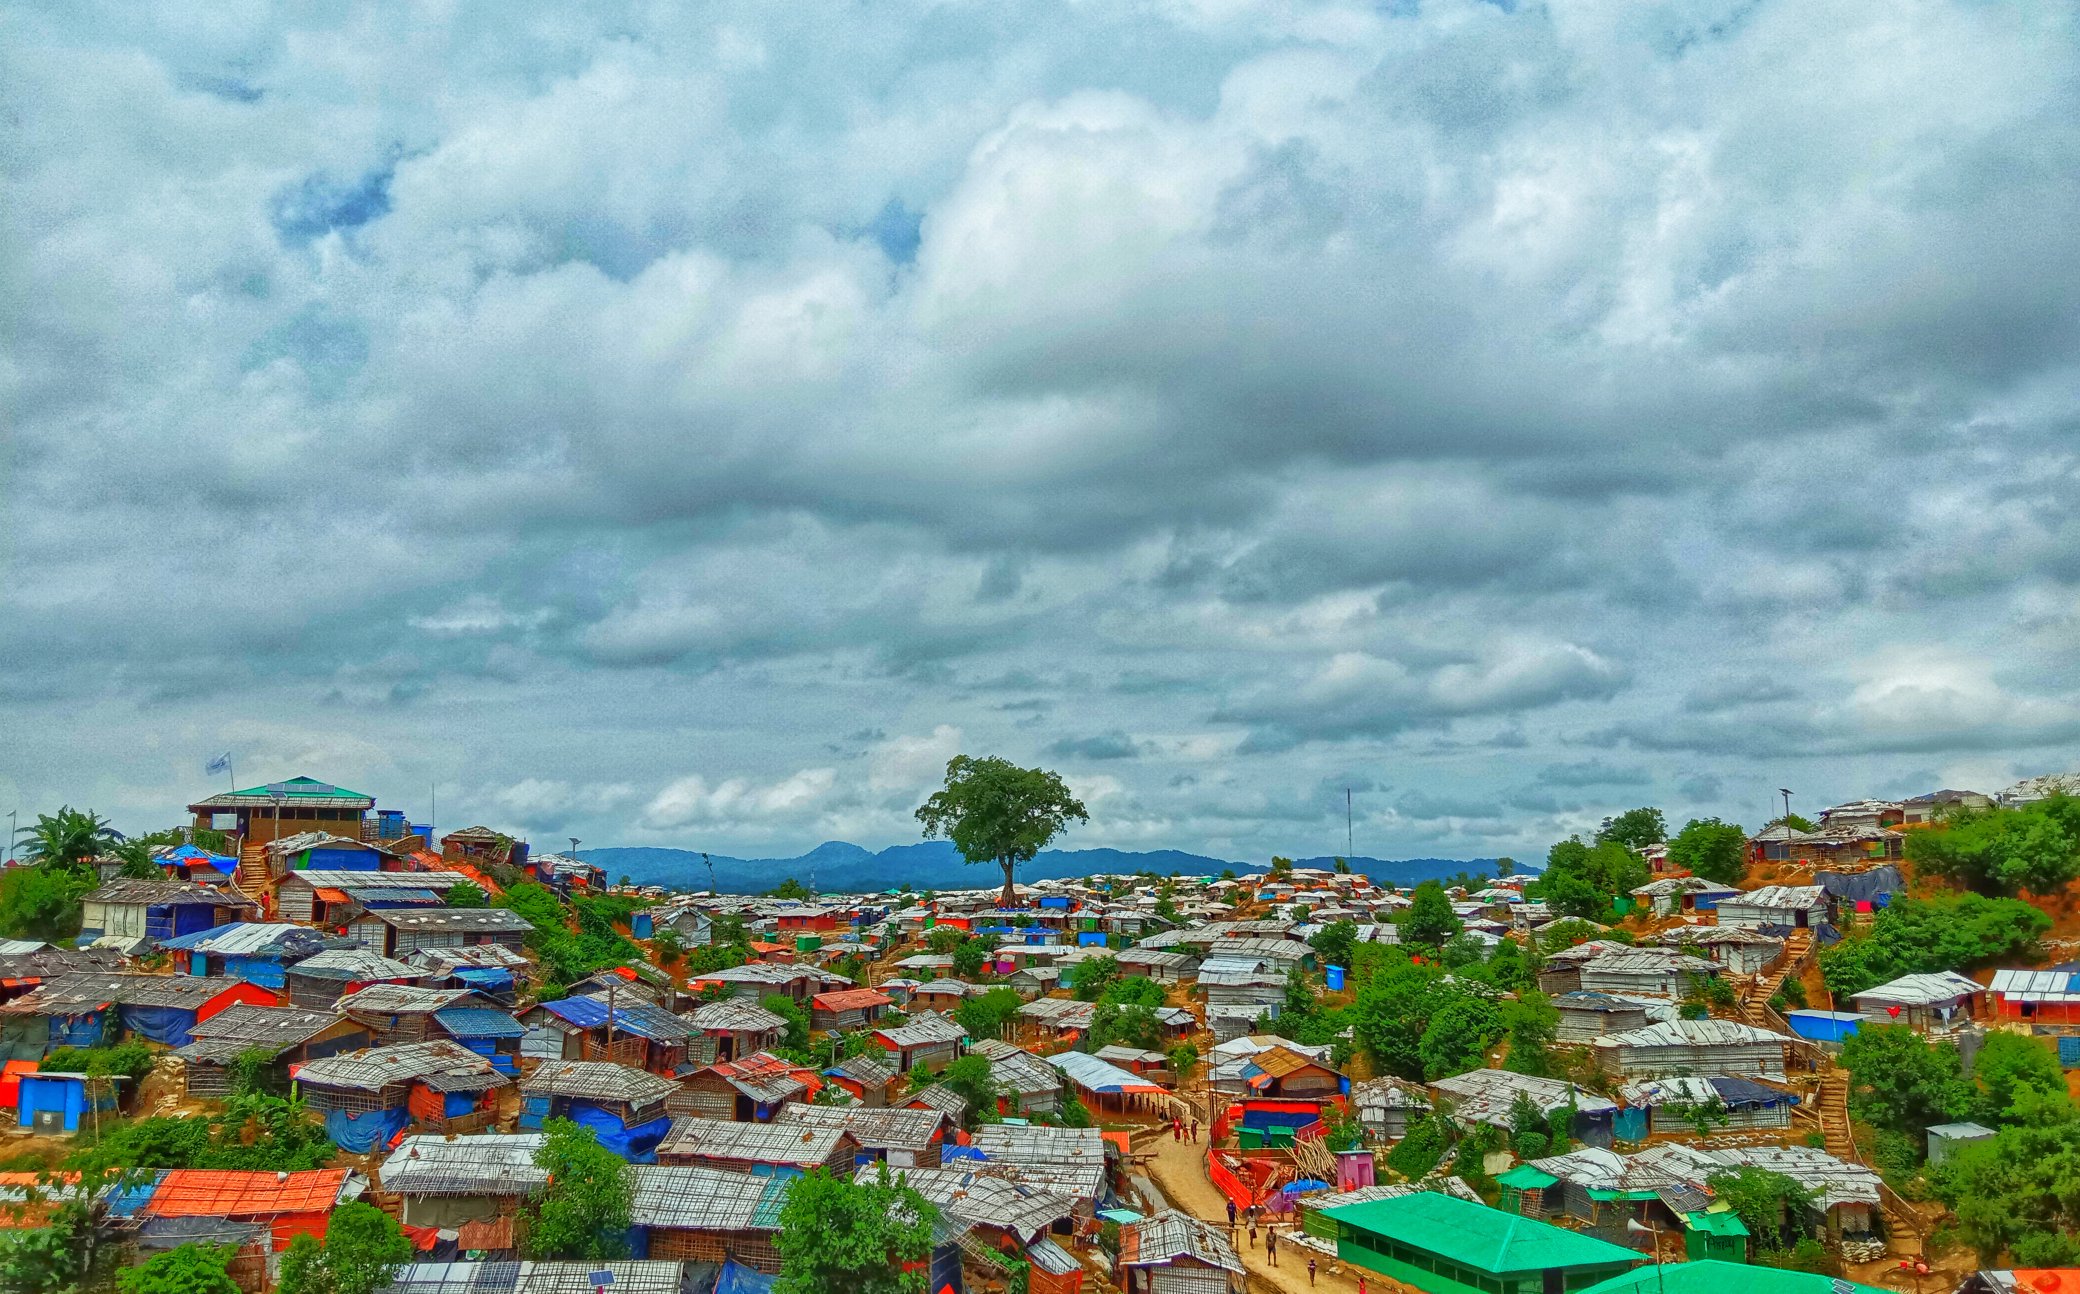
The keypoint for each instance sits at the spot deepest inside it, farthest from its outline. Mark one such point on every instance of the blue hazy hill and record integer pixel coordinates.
(838, 865)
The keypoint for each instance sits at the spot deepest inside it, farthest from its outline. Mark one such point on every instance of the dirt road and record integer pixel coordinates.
(1179, 1170)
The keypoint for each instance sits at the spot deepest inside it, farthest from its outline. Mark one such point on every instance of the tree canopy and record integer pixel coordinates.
(1635, 829)
(2033, 849)
(584, 1214)
(1582, 880)
(996, 812)
(185, 1269)
(863, 1237)
(1916, 936)
(68, 838)
(1428, 919)
(361, 1253)
(1903, 1083)
(1715, 850)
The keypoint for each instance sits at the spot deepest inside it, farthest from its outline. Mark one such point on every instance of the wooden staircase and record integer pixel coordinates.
(253, 878)
(1754, 1002)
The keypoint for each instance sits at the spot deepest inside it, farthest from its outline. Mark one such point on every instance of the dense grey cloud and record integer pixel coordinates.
(668, 425)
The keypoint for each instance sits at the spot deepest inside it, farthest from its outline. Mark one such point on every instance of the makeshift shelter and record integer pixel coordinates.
(1796, 907)
(1945, 1138)
(1937, 1001)
(1586, 1016)
(1068, 1161)
(865, 1078)
(625, 1030)
(317, 983)
(846, 1009)
(369, 1097)
(902, 1138)
(253, 951)
(1489, 1095)
(1025, 1083)
(730, 1028)
(289, 1204)
(1690, 1103)
(749, 1090)
(89, 1009)
(927, 1039)
(1692, 1047)
(1387, 1106)
(1444, 1245)
(707, 1215)
(2045, 997)
(399, 932)
(1646, 972)
(759, 1149)
(291, 1035)
(403, 1013)
(1174, 1253)
(133, 908)
(1010, 1213)
(491, 969)
(624, 1107)
(1827, 1028)
(1106, 1085)
(333, 897)
(61, 1101)
(449, 1182)
(486, 1030)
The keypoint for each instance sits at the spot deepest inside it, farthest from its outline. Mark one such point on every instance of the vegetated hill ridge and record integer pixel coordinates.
(839, 867)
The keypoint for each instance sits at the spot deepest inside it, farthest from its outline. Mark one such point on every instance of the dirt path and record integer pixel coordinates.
(1179, 1170)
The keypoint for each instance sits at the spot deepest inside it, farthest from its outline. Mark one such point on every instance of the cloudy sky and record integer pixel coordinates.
(692, 423)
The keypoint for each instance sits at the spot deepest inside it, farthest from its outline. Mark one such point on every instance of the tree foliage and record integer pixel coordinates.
(186, 1269)
(362, 1252)
(2018, 1193)
(996, 812)
(59, 1257)
(986, 1014)
(1635, 829)
(257, 1132)
(2033, 849)
(970, 1077)
(1424, 1146)
(797, 1017)
(868, 1237)
(1428, 919)
(43, 901)
(1715, 850)
(2008, 1071)
(1333, 942)
(1774, 1208)
(462, 894)
(1901, 1082)
(1582, 880)
(1917, 936)
(584, 1214)
(1092, 976)
(68, 838)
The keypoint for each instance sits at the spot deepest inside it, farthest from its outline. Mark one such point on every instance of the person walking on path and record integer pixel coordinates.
(1361, 1284)
(1195, 1130)
(1310, 1272)
(1271, 1244)
(1231, 1215)
(1177, 1129)
(1253, 1233)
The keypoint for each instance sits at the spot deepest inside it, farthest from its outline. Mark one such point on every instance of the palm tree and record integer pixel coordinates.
(69, 838)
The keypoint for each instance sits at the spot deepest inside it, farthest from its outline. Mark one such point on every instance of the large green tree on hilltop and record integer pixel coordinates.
(1635, 829)
(996, 812)
(1715, 850)
(68, 838)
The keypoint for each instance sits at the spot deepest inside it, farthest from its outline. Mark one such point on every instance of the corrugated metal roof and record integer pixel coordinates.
(134, 890)
(891, 1127)
(2037, 985)
(1094, 1075)
(1487, 1094)
(1476, 1236)
(348, 879)
(402, 999)
(67, 992)
(1169, 1236)
(470, 920)
(249, 938)
(978, 1198)
(352, 964)
(922, 1029)
(1692, 1033)
(1017, 1070)
(1066, 1160)
(643, 1019)
(1927, 989)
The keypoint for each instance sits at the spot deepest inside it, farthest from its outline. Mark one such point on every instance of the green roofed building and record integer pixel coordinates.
(292, 808)
(1446, 1245)
(1723, 1278)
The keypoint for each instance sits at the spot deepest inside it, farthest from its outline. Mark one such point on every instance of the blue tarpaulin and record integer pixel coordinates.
(88, 1030)
(162, 1024)
(468, 1022)
(736, 1278)
(487, 977)
(456, 1104)
(638, 1145)
(366, 1131)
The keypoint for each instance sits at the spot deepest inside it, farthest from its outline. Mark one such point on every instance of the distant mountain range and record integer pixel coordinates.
(838, 867)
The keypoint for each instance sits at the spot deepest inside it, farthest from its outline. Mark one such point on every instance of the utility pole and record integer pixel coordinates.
(712, 891)
(12, 831)
(1349, 839)
(1787, 806)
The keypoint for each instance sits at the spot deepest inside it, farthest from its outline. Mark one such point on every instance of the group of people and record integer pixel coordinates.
(1249, 1217)
(1178, 1131)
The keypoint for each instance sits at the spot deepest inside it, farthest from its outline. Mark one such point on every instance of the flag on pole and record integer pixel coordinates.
(221, 764)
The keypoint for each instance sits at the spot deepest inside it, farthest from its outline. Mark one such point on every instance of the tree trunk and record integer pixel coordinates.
(1009, 898)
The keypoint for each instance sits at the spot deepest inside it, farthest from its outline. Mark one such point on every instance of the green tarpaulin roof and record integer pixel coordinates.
(1719, 1278)
(1526, 1178)
(1727, 1223)
(1474, 1235)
